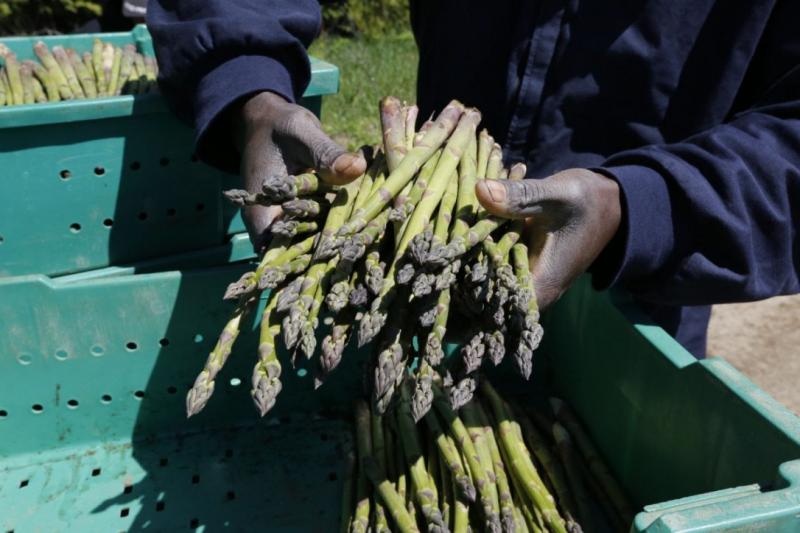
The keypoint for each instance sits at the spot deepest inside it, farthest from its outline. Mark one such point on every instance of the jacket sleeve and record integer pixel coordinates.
(715, 218)
(212, 53)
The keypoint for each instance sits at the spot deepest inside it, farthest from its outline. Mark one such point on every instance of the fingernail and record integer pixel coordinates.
(495, 190)
(348, 163)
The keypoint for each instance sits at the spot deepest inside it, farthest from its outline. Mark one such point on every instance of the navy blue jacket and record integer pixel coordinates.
(693, 106)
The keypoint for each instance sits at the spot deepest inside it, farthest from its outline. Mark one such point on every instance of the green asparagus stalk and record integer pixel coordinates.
(54, 70)
(434, 352)
(97, 67)
(446, 494)
(115, 81)
(501, 475)
(13, 71)
(520, 464)
(394, 131)
(341, 208)
(410, 116)
(407, 200)
(107, 64)
(391, 498)
(364, 448)
(26, 77)
(203, 387)
(267, 371)
(477, 433)
(250, 281)
(593, 459)
(477, 233)
(291, 228)
(5, 95)
(84, 75)
(39, 95)
(69, 72)
(467, 448)
(485, 143)
(435, 137)
(125, 67)
(279, 261)
(299, 311)
(550, 464)
(495, 164)
(278, 189)
(451, 458)
(46, 81)
(424, 490)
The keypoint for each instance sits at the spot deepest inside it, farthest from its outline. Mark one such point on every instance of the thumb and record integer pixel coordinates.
(511, 198)
(335, 164)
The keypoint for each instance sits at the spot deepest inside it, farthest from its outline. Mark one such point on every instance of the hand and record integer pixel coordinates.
(570, 218)
(276, 137)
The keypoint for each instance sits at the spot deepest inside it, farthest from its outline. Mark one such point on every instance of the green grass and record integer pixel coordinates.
(370, 70)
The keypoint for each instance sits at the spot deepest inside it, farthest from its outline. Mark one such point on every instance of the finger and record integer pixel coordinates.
(258, 219)
(512, 198)
(335, 164)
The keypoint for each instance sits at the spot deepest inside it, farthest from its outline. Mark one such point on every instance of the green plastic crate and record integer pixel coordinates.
(91, 183)
(94, 369)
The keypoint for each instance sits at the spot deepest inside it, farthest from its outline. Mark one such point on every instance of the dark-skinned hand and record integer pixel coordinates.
(276, 138)
(570, 218)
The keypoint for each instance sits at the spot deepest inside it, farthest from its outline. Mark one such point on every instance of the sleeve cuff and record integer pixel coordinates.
(225, 85)
(645, 237)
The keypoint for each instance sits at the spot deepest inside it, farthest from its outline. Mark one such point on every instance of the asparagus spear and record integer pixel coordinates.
(394, 131)
(125, 66)
(97, 67)
(551, 466)
(26, 78)
(267, 371)
(460, 434)
(477, 433)
(501, 475)
(291, 228)
(107, 58)
(520, 464)
(379, 456)
(54, 70)
(424, 489)
(203, 387)
(5, 95)
(340, 209)
(13, 73)
(393, 500)
(301, 208)
(84, 75)
(279, 189)
(451, 458)
(39, 95)
(444, 125)
(115, 82)
(46, 80)
(485, 143)
(333, 346)
(66, 67)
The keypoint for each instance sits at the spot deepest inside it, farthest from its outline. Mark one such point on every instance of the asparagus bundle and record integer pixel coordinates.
(489, 466)
(382, 259)
(64, 74)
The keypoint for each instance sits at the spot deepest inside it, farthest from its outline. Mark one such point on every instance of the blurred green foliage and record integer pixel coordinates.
(21, 17)
(368, 18)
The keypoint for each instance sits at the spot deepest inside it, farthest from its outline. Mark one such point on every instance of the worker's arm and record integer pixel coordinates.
(715, 218)
(235, 68)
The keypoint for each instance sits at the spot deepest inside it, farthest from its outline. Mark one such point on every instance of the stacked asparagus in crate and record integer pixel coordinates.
(491, 466)
(64, 74)
(382, 260)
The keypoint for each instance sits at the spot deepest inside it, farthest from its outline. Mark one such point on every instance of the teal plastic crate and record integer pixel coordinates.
(91, 183)
(94, 370)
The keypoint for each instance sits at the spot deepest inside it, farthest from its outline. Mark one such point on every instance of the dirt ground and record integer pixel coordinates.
(762, 340)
